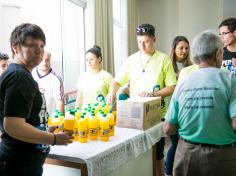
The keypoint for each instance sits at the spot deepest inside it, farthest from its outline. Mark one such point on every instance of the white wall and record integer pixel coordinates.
(17, 12)
(229, 8)
(62, 22)
(179, 17)
(198, 15)
(163, 15)
(7, 13)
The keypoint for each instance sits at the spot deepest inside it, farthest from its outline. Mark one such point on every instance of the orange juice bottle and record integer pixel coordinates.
(82, 129)
(93, 127)
(99, 120)
(105, 109)
(69, 123)
(111, 120)
(104, 129)
(114, 113)
(96, 108)
(50, 123)
(76, 136)
(78, 114)
(54, 119)
(60, 118)
(86, 117)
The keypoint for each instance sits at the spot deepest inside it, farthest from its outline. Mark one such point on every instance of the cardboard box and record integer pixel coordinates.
(139, 113)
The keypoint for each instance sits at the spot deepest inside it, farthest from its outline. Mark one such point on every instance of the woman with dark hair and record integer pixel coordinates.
(95, 81)
(180, 54)
(180, 59)
(25, 138)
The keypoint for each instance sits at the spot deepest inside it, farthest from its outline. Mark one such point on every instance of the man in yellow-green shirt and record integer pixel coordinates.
(149, 72)
(187, 71)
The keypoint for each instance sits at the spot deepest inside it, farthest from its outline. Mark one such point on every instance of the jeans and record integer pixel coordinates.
(171, 154)
(10, 169)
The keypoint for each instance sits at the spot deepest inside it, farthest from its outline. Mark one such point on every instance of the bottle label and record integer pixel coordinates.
(93, 131)
(105, 132)
(82, 134)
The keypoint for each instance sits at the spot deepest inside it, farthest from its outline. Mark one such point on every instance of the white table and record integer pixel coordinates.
(97, 158)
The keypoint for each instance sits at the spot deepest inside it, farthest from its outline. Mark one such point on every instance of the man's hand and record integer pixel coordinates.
(146, 94)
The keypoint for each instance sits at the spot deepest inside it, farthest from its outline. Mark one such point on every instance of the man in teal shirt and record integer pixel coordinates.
(203, 112)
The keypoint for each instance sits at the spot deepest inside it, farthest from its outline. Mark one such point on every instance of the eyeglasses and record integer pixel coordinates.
(141, 30)
(224, 33)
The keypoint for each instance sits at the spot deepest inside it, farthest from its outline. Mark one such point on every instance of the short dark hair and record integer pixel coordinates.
(96, 50)
(3, 56)
(230, 23)
(145, 29)
(24, 30)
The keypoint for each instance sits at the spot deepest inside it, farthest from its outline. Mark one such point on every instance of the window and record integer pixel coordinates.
(72, 43)
(120, 32)
(64, 30)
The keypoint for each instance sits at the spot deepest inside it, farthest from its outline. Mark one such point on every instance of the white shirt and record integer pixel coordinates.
(51, 86)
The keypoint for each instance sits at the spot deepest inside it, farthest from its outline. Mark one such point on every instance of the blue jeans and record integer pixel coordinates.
(171, 154)
(9, 169)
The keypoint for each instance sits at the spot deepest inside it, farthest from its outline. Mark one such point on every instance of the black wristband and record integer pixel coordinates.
(54, 139)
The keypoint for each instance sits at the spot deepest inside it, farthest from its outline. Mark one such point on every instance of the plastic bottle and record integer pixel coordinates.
(96, 108)
(69, 124)
(78, 114)
(60, 118)
(114, 113)
(104, 129)
(82, 129)
(55, 120)
(111, 120)
(50, 123)
(93, 127)
(105, 109)
(77, 117)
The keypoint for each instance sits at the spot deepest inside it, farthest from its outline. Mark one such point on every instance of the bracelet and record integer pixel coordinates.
(54, 139)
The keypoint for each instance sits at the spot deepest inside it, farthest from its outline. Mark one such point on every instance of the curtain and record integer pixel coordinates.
(104, 32)
(132, 24)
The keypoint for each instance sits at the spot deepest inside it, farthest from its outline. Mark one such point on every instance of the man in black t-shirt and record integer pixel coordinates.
(228, 37)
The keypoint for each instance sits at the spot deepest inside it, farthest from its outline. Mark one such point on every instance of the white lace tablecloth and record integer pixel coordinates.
(102, 158)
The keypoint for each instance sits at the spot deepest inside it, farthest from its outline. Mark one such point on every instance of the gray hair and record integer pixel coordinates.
(205, 45)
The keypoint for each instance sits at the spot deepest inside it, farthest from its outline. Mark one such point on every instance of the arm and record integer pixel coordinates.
(169, 128)
(58, 94)
(60, 106)
(234, 123)
(111, 96)
(166, 91)
(17, 128)
(79, 99)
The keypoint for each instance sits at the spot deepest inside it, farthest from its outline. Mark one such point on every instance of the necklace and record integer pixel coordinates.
(145, 66)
